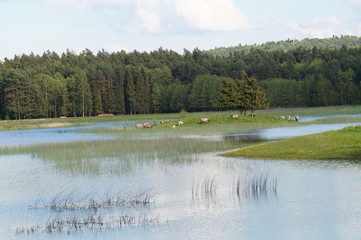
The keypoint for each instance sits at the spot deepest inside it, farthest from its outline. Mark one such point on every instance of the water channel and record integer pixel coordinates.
(202, 196)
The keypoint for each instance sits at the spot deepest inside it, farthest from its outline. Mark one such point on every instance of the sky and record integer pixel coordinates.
(36, 26)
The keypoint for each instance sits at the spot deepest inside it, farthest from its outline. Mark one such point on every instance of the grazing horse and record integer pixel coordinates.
(139, 125)
(148, 125)
(180, 123)
(204, 120)
(283, 117)
(234, 116)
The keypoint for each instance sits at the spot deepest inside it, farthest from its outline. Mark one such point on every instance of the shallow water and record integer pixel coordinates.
(195, 197)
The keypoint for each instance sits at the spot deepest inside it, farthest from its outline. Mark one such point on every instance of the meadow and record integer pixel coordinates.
(340, 144)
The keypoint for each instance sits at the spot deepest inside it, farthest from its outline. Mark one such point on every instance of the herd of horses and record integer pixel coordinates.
(289, 118)
(202, 120)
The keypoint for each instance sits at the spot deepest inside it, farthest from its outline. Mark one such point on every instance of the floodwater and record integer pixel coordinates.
(203, 196)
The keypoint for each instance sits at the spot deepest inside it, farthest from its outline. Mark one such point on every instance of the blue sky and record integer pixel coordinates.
(57, 25)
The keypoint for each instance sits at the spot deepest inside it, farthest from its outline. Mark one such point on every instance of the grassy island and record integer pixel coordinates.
(340, 144)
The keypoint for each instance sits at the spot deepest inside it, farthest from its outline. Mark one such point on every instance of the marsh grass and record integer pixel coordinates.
(256, 186)
(88, 222)
(127, 148)
(74, 201)
(77, 212)
(121, 154)
(340, 144)
(205, 192)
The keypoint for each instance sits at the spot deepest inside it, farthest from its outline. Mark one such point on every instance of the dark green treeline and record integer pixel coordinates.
(86, 84)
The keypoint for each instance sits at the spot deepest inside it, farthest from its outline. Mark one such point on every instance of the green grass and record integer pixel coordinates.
(341, 144)
(190, 119)
(216, 118)
(10, 125)
(312, 111)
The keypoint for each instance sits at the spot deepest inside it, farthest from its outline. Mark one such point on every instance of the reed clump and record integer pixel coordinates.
(256, 186)
(90, 222)
(75, 212)
(75, 202)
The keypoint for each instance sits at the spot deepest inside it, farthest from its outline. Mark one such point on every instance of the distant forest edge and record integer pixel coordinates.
(52, 85)
(291, 44)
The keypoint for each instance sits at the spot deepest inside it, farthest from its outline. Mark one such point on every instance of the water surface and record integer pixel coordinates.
(312, 199)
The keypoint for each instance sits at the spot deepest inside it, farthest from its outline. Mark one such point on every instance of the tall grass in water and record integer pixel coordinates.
(252, 187)
(73, 201)
(76, 212)
(88, 222)
(120, 155)
(256, 186)
(204, 192)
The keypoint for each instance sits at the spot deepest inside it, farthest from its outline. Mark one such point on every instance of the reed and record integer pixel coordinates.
(74, 201)
(256, 186)
(89, 222)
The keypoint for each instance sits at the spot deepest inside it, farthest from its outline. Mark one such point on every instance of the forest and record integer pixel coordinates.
(88, 84)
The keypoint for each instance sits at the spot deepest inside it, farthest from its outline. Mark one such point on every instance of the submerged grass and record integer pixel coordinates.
(119, 155)
(72, 201)
(88, 222)
(341, 144)
(127, 148)
(256, 186)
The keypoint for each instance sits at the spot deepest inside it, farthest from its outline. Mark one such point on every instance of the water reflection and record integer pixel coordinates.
(273, 134)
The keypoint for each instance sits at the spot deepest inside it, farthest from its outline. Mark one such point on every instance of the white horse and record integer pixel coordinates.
(204, 120)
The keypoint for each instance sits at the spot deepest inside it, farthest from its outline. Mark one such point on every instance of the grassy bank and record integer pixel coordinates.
(341, 144)
(25, 124)
(190, 119)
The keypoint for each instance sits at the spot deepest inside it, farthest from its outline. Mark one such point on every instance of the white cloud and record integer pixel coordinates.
(355, 2)
(150, 20)
(316, 28)
(213, 15)
(155, 15)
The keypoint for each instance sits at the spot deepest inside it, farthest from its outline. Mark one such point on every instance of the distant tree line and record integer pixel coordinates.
(87, 84)
(291, 44)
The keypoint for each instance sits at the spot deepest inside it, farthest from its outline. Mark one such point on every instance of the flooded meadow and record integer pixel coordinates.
(104, 182)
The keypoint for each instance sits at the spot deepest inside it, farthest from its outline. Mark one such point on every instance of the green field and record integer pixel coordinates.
(341, 144)
(191, 119)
